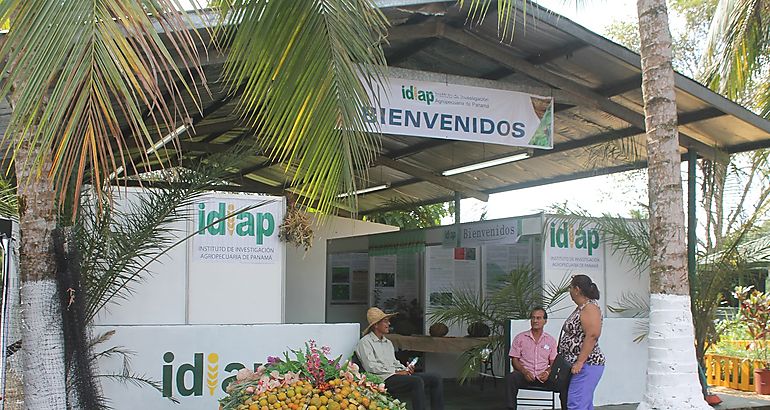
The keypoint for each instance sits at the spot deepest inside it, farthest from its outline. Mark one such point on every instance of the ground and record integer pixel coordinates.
(470, 396)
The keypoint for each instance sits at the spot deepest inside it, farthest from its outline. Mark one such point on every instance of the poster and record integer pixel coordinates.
(501, 260)
(349, 277)
(406, 276)
(383, 270)
(448, 270)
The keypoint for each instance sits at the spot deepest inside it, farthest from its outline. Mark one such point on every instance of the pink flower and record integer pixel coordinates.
(250, 390)
(243, 374)
(352, 366)
(381, 387)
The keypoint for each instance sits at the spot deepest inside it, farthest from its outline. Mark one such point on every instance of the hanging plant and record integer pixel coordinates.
(296, 227)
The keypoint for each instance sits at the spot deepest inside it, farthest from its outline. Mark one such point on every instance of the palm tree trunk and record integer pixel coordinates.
(42, 335)
(672, 371)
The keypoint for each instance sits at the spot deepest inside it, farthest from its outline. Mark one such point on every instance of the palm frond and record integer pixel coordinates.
(737, 45)
(631, 304)
(629, 238)
(9, 202)
(304, 68)
(88, 80)
(117, 244)
(126, 375)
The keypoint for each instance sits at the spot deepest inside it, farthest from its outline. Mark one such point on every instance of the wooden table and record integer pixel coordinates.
(435, 344)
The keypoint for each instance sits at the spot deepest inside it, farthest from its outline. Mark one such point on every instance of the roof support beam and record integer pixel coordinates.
(409, 32)
(500, 54)
(537, 59)
(432, 178)
(595, 139)
(558, 52)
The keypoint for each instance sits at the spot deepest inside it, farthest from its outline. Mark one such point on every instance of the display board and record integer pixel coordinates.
(498, 261)
(394, 276)
(235, 267)
(349, 277)
(450, 269)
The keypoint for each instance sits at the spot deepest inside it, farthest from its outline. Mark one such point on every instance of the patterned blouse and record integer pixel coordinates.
(572, 337)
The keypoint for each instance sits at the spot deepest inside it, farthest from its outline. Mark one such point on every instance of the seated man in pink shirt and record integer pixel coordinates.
(532, 353)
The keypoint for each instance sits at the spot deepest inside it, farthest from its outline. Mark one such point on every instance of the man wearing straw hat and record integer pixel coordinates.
(378, 356)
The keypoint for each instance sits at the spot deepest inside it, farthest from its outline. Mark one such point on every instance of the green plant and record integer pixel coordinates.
(755, 309)
(513, 297)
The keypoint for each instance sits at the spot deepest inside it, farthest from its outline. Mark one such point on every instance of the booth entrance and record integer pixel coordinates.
(594, 85)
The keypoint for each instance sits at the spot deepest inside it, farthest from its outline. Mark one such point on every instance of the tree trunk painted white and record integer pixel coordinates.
(44, 377)
(672, 372)
(42, 346)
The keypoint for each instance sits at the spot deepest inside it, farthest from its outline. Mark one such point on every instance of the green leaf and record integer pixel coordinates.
(304, 68)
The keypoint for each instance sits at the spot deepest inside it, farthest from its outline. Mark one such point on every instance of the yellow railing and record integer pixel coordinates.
(732, 372)
(742, 344)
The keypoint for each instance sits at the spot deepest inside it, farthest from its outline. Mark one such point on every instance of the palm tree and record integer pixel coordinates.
(91, 83)
(737, 50)
(672, 379)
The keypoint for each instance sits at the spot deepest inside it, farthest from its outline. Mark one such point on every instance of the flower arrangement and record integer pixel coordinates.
(309, 380)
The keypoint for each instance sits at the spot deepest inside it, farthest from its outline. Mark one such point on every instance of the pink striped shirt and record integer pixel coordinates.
(534, 356)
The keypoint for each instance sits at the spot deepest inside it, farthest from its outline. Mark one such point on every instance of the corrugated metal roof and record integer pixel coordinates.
(595, 83)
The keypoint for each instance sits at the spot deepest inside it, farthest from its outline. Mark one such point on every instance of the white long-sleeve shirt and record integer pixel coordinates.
(378, 356)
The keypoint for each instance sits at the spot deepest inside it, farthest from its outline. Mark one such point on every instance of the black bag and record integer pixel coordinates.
(561, 370)
(561, 373)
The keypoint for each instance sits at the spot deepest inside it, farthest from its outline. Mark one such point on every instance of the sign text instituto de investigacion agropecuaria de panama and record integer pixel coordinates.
(461, 112)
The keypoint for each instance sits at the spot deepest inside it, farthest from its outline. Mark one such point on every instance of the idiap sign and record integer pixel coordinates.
(461, 112)
(575, 246)
(235, 229)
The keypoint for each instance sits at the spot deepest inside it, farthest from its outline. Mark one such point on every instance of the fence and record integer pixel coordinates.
(733, 372)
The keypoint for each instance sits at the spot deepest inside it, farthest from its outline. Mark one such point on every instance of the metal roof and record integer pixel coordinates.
(595, 83)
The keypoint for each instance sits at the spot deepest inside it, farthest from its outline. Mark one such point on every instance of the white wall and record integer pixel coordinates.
(306, 271)
(179, 289)
(160, 298)
(167, 354)
(615, 277)
(624, 374)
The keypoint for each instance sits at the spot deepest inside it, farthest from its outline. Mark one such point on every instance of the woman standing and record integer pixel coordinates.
(579, 343)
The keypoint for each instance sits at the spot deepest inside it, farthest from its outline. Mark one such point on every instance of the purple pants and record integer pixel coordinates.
(581, 387)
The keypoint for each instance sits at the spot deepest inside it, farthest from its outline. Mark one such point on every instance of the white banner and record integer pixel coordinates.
(461, 112)
(195, 363)
(574, 246)
(249, 237)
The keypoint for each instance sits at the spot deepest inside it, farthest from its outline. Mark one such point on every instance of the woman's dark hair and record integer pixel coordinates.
(586, 286)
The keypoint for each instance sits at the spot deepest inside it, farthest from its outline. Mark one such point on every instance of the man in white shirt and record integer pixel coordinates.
(378, 356)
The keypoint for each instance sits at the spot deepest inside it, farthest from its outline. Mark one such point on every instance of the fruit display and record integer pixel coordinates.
(308, 381)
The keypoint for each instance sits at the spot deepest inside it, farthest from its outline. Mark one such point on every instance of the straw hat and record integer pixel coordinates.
(374, 315)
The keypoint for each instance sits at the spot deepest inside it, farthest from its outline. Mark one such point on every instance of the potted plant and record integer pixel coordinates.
(755, 309)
